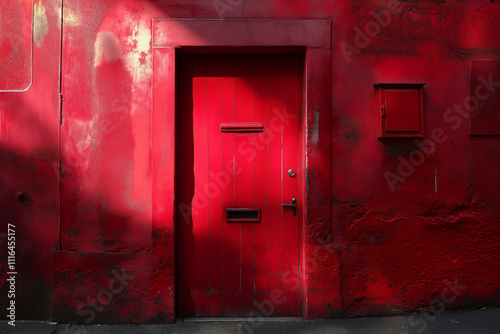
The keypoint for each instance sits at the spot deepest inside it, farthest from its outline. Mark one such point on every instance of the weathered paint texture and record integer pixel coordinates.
(412, 223)
(29, 153)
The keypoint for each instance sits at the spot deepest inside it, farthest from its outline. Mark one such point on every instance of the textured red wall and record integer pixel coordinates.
(400, 246)
(29, 151)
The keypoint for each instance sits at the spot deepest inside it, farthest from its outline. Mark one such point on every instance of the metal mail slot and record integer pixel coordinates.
(242, 127)
(242, 215)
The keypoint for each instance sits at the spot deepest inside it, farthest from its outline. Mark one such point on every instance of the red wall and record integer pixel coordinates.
(29, 151)
(394, 249)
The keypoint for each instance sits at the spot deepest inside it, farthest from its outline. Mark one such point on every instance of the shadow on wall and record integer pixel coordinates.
(98, 148)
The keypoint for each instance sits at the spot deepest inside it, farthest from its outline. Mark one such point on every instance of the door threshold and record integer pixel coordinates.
(241, 319)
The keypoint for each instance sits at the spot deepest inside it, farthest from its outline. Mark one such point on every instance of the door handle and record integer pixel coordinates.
(293, 206)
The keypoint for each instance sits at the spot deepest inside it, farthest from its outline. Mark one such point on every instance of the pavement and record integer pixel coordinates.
(486, 320)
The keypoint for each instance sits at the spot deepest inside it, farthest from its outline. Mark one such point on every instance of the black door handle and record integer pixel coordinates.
(293, 206)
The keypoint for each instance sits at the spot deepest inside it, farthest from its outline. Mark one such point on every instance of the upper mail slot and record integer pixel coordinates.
(248, 127)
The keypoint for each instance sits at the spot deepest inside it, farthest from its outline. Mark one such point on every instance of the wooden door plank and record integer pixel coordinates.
(200, 200)
(275, 177)
(261, 87)
(231, 294)
(215, 185)
(244, 180)
(290, 184)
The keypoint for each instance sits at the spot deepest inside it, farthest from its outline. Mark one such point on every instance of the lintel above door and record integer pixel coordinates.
(175, 33)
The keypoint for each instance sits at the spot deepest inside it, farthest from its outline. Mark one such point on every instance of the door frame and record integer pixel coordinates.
(319, 260)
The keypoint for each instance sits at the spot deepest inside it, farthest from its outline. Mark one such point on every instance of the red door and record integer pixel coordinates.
(237, 165)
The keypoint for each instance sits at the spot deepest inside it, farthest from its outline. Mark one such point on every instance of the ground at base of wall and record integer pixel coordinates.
(480, 321)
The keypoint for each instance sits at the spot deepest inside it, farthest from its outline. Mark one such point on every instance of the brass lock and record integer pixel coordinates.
(291, 172)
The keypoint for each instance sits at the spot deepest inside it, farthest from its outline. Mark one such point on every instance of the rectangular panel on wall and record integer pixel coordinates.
(401, 110)
(106, 177)
(16, 21)
(484, 99)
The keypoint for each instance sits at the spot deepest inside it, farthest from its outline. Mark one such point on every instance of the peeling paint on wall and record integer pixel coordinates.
(315, 128)
(70, 18)
(138, 57)
(41, 26)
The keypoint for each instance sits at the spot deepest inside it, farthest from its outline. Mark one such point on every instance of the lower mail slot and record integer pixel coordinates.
(242, 215)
